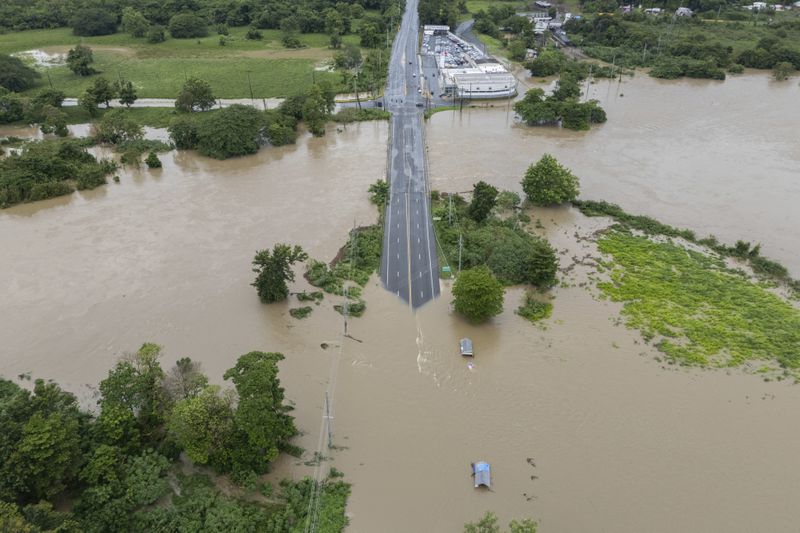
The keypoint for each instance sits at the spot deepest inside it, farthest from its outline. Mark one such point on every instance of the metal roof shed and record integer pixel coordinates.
(465, 346)
(482, 473)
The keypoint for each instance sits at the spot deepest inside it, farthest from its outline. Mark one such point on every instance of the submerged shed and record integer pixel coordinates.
(482, 473)
(465, 346)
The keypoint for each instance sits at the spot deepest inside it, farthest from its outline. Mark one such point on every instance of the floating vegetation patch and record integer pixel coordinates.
(533, 309)
(300, 312)
(356, 308)
(352, 267)
(696, 310)
(315, 296)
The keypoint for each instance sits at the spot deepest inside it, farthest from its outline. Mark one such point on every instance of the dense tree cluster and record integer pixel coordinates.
(441, 11)
(512, 254)
(240, 130)
(191, 18)
(113, 464)
(16, 75)
(562, 107)
(636, 40)
(45, 169)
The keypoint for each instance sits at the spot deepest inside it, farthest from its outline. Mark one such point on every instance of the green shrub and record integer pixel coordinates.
(533, 309)
(152, 160)
(300, 312)
(187, 26)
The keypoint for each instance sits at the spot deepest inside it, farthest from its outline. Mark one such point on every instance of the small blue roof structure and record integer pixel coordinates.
(466, 346)
(483, 475)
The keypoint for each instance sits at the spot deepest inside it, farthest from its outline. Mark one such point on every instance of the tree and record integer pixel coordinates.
(92, 21)
(195, 94)
(379, 193)
(152, 160)
(274, 269)
(517, 50)
(349, 58)
(187, 26)
(782, 71)
(478, 294)
(316, 111)
(40, 445)
(117, 127)
(126, 92)
(52, 97)
(135, 384)
(185, 380)
(335, 41)
(16, 75)
(156, 34)
(484, 197)
(232, 131)
(79, 60)
(12, 106)
(261, 418)
(508, 200)
(370, 35)
(183, 132)
(102, 91)
(549, 183)
(567, 88)
(134, 22)
(53, 120)
(202, 425)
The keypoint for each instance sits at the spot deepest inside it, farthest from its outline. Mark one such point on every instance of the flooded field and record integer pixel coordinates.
(720, 158)
(584, 429)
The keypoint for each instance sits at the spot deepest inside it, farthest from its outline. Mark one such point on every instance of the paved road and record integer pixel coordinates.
(409, 266)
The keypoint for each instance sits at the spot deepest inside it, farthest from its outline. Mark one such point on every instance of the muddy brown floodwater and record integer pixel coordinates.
(720, 158)
(585, 430)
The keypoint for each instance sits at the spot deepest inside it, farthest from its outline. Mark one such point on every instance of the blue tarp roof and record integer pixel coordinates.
(482, 474)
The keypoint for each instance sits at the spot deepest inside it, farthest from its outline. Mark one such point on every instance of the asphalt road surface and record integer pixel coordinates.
(409, 266)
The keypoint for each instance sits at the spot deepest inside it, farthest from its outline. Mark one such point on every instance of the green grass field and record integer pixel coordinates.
(696, 310)
(158, 70)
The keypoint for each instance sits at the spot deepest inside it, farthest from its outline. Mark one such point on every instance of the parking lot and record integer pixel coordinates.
(454, 52)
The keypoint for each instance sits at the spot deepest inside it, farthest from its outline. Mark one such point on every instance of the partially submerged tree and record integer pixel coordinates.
(549, 183)
(484, 198)
(117, 127)
(230, 132)
(263, 425)
(477, 294)
(274, 269)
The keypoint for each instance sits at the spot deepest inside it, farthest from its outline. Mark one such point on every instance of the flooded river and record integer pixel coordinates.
(721, 158)
(584, 428)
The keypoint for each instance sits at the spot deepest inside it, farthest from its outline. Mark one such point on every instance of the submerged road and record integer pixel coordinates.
(409, 266)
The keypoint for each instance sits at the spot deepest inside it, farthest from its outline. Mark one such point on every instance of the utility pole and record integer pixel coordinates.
(450, 210)
(589, 81)
(328, 417)
(48, 79)
(460, 245)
